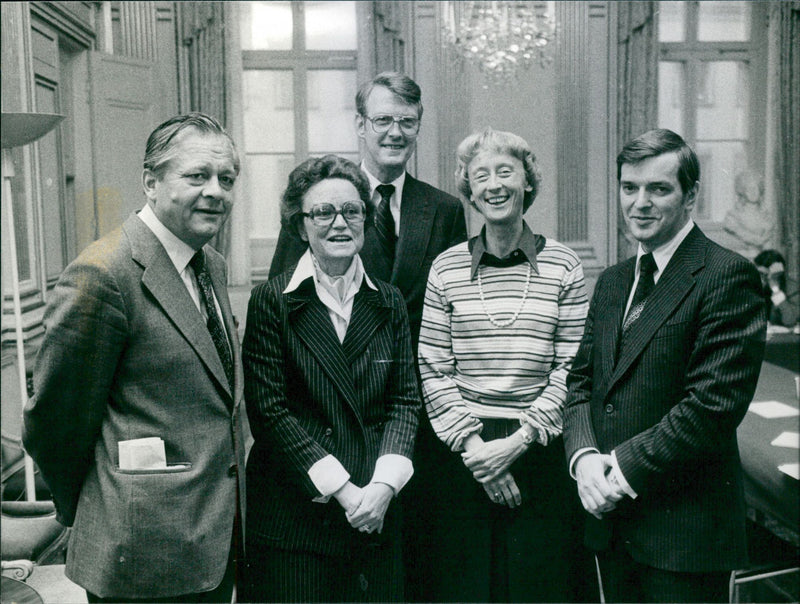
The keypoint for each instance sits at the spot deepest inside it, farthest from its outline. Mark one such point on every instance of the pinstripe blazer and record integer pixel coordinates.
(670, 404)
(430, 222)
(310, 395)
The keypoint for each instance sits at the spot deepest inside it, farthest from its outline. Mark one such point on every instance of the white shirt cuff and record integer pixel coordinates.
(616, 474)
(575, 457)
(328, 475)
(394, 470)
(778, 298)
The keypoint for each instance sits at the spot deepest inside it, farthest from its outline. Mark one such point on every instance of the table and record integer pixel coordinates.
(783, 349)
(18, 592)
(771, 496)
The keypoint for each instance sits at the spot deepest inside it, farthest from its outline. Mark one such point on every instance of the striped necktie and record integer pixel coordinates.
(214, 325)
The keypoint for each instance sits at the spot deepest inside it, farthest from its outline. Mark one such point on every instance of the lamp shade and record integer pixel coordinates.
(17, 129)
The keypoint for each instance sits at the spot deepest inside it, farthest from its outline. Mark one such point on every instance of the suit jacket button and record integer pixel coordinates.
(609, 408)
(232, 471)
(329, 432)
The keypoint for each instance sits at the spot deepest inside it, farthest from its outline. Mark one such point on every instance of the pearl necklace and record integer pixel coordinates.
(513, 319)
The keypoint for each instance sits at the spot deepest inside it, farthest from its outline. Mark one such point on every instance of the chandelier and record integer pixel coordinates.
(500, 37)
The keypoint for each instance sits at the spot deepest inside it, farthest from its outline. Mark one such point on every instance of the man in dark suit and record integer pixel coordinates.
(418, 221)
(136, 419)
(414, 223)
(667, 367)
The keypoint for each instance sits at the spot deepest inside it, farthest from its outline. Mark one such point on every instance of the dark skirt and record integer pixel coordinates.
(480, 551)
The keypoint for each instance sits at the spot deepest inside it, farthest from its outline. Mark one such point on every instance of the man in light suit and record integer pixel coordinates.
(668, 365)
(141, 346)
(414, 223)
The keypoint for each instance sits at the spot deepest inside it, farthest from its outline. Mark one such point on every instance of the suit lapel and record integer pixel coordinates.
(416, 220)
(309, 318)
(673, 286)
(164, 283)
(369, 313)
(219, 282)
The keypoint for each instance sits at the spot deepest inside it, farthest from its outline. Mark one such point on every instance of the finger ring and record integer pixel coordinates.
(497, 495)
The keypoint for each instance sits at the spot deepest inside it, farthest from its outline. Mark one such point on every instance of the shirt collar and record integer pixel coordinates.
(305, 270)
(529, 245)
(179, 252)
(663, 254)
(398, 183)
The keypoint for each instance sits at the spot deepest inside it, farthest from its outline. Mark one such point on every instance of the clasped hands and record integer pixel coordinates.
(489, 463)
(365, 507)
(598, 494)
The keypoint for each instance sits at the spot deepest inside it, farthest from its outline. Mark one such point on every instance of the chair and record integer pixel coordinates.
(771, 575)
(29, 532)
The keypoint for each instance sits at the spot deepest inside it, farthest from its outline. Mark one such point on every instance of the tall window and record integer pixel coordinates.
(712, 91)
(299, 86)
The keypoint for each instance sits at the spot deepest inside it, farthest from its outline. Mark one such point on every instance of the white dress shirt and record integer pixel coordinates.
(180, 253)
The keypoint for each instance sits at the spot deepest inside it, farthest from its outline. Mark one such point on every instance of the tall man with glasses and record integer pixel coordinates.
(414, 223)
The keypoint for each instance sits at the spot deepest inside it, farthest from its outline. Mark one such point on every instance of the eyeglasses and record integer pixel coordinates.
(354, 212)
(383, 123)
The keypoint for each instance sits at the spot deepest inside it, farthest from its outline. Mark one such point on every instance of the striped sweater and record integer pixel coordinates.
(472, 369)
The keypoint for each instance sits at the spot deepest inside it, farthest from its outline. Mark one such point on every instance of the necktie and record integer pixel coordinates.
(647, 266)
(384, 222)
(218, 334)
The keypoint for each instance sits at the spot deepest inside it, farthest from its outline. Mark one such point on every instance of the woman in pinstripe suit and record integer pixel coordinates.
(333, 404)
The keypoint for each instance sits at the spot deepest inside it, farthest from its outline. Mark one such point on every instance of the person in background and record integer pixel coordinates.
(781, 305)
(412, 222)
(333, 402)
(502, 320)
(668, 364)
(136, 418)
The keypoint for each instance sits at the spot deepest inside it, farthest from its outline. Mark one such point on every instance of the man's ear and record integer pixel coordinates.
(149, 180)
(690, 199)
(360, 125)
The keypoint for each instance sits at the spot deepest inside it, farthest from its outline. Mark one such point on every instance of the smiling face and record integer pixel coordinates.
(333, 245)
(498, 184)
(194, 193)
(386, 153)
(653, 203)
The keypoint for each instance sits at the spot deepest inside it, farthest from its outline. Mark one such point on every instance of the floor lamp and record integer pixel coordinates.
(20, 129)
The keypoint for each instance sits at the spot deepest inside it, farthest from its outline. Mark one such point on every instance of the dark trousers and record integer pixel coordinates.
(369, 574)
(625, 580)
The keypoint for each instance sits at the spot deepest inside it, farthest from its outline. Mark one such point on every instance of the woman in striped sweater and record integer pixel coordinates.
(503, 318)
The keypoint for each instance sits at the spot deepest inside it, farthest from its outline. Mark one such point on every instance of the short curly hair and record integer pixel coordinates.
(501, 142)
(309, 173)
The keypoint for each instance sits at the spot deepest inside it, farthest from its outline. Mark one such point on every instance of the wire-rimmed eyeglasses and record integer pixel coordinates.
(383, 123)
(354, 212)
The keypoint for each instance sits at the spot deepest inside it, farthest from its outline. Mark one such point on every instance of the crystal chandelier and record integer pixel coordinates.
(500, 37)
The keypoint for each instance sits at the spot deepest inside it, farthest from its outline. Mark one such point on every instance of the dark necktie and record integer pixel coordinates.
(218, 334)
(647, 266)
(384, 223)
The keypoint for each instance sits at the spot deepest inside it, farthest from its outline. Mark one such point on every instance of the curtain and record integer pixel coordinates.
(201, 72)
(785, 17)
(637, 85)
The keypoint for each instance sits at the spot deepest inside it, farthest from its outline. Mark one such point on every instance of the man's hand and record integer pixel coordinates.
(488, 460)
(368, 516)
(503, 490)
(597, 494)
